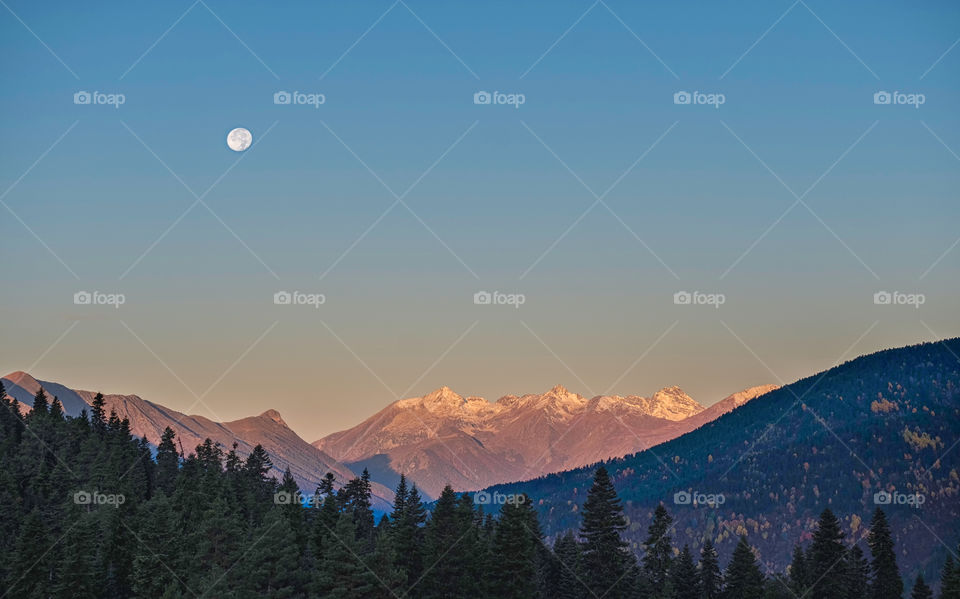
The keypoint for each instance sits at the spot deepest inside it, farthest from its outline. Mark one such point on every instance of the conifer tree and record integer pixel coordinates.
(743, 578)
(857, 571)
(683, 576)
(658, 553)
(446, 549)
(408, 532)
(568, 576)
(920, 589)
(31, 572)
(168, 462)
(799, 572)
(40, 403)
(607, 563)
(56, 409)
(827, 566)
(515, 543)
(950, 580)
(270, 564)
(342, 573)
(885, 582)
(711, 580)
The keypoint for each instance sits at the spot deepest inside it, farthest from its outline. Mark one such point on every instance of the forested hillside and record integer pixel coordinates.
(887, 422)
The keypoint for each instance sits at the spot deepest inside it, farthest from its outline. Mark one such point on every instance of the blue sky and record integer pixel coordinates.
(698, 197)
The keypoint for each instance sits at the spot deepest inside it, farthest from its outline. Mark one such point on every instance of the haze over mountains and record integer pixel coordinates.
(468, 442)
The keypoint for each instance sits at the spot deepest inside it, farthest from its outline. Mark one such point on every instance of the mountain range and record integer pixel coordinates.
(470, 443)
(438, 439)
(147, 419)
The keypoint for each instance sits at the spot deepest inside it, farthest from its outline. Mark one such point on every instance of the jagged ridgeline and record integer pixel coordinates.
(877, 430)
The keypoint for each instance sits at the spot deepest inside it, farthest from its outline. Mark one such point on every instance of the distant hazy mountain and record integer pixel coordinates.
(883, 429)
(147, 419)
(468, 442)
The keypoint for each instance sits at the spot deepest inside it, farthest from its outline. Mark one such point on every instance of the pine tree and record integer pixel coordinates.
(568, 575)
(711, 580)
(857, 571)
(56, 409)
(607, 563)
(270, 563)
(683, 576)
(343, 574)
(40, 403)
(799, 572)
(950, 580)
(168, 462)
(920, 589)
(447, 549)
(827, 566)
(743, 578)
(515, 543)
(659, 552)
(30, 568)
(886, 582)
(408, 533)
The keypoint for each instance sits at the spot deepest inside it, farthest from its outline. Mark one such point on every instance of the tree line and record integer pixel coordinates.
(91, 512)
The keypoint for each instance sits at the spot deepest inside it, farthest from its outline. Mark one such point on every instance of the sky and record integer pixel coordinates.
(586, 194)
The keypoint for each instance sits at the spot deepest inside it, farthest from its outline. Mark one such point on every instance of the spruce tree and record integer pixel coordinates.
(711, 580)
(568, 574)
(342, 573)
(886, 582)
(799, 572)
(40, 403)
(658, 553)
(857, 571)
(920, 589)
(448, 558)
(950, 580)
(515, 543)
(270, 565)
(827, 566)
(743, 578)
(607, 562)
(168, 462)
(683, 576)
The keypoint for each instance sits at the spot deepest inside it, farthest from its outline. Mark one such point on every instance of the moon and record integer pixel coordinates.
(239, 139)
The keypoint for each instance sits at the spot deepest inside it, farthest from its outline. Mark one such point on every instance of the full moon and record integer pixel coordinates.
(239, 139)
